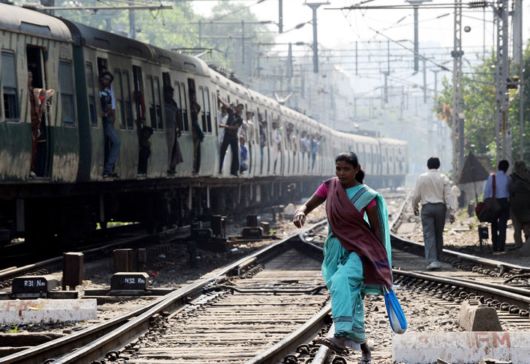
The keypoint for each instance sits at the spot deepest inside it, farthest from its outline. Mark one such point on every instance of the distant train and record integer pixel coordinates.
(67, 195)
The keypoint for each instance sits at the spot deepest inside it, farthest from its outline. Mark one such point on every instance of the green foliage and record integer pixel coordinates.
(178, 28)
(479, 110)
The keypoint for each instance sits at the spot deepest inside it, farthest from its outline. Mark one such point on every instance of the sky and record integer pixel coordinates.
(339, 29)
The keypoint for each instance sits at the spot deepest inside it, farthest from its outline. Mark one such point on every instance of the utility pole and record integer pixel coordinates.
(280, 16)
(415, 4)
(457, 116)
(242, 42)
(502, 128)
(435, 83)
(132, 21)
(314, 7)
(424, 81)
(517, 22)
(200, 33)
(385, 89)
(290, 68)
(356, 59)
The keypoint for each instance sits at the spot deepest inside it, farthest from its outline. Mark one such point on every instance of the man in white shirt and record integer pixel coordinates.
(502, 194)
(433, 190)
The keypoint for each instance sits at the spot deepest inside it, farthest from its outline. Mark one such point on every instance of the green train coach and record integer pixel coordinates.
(53, 185)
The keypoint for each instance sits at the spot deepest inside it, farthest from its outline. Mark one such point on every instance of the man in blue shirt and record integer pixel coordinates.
(502, 184)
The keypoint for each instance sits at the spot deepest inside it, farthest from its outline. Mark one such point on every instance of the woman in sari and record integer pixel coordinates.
(357, 255)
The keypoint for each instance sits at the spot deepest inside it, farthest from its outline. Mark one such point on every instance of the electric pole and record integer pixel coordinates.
(314, 7)
(424, 64)
(132, 21)
(415, 4)
(517, 22)
(502, 128)
(280, 16)
(457, 116)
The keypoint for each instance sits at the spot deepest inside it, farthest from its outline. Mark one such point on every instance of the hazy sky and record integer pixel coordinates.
(339, 28)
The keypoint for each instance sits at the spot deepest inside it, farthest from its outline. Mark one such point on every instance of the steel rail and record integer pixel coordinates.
(89, 252)
(503, 266)
(474, 286)
(92, 343)
(517, 290)
(303, 334)
(17, 271)
(406, 243)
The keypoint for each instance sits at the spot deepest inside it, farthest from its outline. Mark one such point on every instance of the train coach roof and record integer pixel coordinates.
(31, 22)
(92, 37)
(357, 137)
(393, 141)
(181, 62)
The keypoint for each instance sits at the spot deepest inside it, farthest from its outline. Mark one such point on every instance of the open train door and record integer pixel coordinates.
(41, 141)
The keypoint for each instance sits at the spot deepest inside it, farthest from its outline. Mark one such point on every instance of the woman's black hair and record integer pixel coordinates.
(351, 158)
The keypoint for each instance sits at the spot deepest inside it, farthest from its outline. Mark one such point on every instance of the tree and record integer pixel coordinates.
(479, 110)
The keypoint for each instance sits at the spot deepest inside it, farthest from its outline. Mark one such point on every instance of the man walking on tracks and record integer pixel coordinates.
(498, 187)
(433, 190)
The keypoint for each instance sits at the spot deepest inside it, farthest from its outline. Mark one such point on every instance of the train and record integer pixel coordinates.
(68, 197)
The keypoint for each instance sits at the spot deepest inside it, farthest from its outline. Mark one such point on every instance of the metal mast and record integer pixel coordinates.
(314, 6)
(517, 22)
(457, 116)
(503, 134)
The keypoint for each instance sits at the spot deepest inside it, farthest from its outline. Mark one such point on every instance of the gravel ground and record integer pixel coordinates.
(424, 313)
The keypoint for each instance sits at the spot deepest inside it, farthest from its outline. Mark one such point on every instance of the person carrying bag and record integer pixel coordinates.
(496, 207)
(488, 210)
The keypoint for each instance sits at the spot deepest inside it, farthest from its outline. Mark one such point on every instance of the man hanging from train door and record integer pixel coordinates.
(106, 97)
(230, 136)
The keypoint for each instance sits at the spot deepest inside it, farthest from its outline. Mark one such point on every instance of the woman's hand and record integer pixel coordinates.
(299, 218)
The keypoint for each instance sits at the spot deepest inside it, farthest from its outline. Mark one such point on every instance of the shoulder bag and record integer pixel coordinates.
(488, 210)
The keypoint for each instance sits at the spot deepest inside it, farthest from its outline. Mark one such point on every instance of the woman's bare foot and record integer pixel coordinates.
(366, 354)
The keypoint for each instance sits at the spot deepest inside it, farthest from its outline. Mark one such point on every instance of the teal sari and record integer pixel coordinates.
(343, 270)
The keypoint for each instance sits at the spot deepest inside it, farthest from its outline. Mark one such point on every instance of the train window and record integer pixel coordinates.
(166, 79)
(138, 93)
(9, 86)
(208, 109)
(91, 94)
(158, 104)
(151, 101)
(127, 99)
(118, 91)
(183, 107)
(66, 84)
(200, 101)
(155, 112)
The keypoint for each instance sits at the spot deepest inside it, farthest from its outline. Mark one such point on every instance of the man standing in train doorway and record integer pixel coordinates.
(433, 190)
(108, 106)
(231, 127)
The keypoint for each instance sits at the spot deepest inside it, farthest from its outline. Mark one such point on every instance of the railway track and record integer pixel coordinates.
(275, 293)
(268, 306)
(92, 252)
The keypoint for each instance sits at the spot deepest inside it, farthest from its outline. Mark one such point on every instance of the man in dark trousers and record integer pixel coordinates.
(502, 194)
(108, 106)
(433, 191)
(231, 127)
